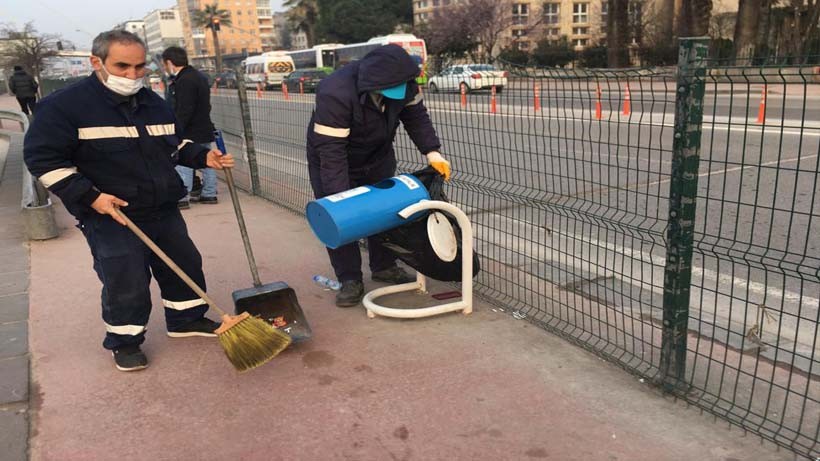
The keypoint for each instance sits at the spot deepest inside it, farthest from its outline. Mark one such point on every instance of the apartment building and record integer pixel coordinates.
(135, 26)
(163, 28)
(583, 22)
(252, 29)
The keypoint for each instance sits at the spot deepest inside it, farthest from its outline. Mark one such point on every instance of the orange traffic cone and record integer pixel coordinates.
(301, 87)
(598, 109)
(463, 95)
(761, 111)
(537, 96)
(259, 90)
(492, 101)
(627, 100)
(285, 91)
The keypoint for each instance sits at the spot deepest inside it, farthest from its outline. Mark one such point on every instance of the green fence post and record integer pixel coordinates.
(683, 191)
(253, 166)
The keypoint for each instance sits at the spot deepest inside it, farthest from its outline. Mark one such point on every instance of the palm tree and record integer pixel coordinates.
(211, 17)
(303, 15)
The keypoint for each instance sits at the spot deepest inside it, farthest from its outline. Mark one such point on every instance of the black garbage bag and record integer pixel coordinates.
(411, 244)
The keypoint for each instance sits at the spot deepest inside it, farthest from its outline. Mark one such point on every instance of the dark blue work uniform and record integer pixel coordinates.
(86, 140)
(351, 133)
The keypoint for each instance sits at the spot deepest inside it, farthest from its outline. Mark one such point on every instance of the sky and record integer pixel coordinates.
(80, 20)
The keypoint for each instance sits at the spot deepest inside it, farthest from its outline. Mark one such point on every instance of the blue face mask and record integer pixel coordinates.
(395, 92)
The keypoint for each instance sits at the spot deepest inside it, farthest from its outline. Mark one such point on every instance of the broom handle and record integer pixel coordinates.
(167, 260)
(237, 208)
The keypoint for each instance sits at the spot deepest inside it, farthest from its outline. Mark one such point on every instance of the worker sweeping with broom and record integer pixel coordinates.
(107, 147)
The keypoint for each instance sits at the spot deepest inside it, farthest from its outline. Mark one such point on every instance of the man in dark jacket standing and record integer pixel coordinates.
(24, 88)
(190, 97)
(350, 143)
(105, 143)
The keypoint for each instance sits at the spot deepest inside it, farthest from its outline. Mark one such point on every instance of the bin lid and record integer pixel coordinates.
(442, 237)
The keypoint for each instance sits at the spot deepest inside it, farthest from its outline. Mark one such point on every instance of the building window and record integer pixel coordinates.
(524, 46)
(553, 32)
(521, 13)
(580, 31)
(604, 16)
(518, 33)
(580, 42)
(551, 13)
(580, 13)
(436, 3)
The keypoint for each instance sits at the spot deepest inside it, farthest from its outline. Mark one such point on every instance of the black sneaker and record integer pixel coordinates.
(184, 204)
(208, 200)
(350, 294)
(200, 327)
(395, 275)
(129, 358)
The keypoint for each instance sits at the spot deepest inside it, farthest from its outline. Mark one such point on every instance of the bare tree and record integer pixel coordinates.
(490, 19)
(746, 28)
(27, 48)
(618, 33)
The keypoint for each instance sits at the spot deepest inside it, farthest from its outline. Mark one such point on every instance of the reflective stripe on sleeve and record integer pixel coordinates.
(161, 130)
(330, 131)
(54, 176)
(105, 132)
(183, 143)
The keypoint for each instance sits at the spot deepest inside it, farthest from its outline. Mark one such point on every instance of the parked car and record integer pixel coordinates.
(473, 76)
(309, 78)
(226, 79)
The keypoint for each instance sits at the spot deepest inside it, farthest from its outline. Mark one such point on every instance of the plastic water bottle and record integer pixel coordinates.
(326, 283)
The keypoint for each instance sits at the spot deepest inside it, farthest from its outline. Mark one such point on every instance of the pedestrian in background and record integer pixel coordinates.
(190, 98)
(24, 88)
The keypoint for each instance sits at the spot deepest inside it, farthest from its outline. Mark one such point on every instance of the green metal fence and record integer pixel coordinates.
(646, 215)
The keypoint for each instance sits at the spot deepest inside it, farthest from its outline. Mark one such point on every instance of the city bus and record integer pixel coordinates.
(413, 45)
(319, 56)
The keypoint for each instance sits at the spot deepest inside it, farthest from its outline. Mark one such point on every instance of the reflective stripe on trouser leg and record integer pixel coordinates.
(121, 263)
(182, 304)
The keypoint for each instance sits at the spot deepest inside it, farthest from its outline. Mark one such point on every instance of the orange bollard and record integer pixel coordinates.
(537, 96)
(213, 90)
(285, 91)
(463, 95)
(492, 100)
(301, 86)
(761, 111)
(598, 109)
(259, 90)
(627, 100)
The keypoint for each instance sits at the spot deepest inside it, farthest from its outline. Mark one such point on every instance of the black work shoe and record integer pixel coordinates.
(184, 204)
(129, 358)
(208, 200)
(199, 327)
(350, 294)
(395, 275)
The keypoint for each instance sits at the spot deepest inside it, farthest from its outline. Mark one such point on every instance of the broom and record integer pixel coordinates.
(248, 341)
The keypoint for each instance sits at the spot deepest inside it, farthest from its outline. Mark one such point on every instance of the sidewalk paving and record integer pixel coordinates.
(483, 386)
(14, 281)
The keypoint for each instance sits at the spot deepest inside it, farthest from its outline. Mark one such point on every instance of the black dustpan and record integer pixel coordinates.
(274, 302)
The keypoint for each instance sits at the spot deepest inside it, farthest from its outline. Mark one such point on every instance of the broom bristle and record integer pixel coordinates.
(252, 342)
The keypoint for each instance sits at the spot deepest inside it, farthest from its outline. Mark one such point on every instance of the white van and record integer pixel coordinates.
(269, 69)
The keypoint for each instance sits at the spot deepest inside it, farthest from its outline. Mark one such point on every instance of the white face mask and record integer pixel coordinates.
(121, 85)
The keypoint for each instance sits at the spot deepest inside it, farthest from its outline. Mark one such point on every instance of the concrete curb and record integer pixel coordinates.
(14, 304)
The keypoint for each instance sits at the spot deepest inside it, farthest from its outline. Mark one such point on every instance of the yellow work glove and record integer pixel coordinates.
(439, 164)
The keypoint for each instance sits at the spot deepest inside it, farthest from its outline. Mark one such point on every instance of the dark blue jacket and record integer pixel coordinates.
(87, 139)
(349, 134)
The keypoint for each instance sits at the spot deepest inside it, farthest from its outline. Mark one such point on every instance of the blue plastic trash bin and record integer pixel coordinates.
(364, 211)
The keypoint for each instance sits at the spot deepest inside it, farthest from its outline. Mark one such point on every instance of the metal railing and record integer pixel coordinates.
(664, 220)
(37, 208)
